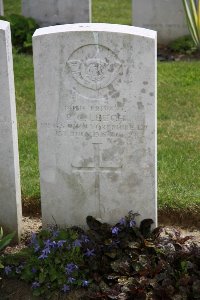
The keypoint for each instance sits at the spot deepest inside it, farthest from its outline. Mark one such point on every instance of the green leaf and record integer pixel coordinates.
(1, 233)
(53, 274)
(6, 240)
(36, 292)
(42, 277)
(57, 260)
(192, 12)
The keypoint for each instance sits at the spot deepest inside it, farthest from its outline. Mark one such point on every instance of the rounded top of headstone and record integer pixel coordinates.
(4, 25)
(98, 27)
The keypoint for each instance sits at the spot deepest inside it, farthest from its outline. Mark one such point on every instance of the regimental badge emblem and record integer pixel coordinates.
(94, 66)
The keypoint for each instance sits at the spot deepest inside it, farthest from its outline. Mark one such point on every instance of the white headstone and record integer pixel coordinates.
(167, 17)
(10, 193)
(1, 8)
(96, 111)
(55, 12)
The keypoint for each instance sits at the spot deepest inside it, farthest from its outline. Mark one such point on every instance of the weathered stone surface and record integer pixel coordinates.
(55, 12)
(167, 17)
(10, 193)
(1, 8)
(96, 111)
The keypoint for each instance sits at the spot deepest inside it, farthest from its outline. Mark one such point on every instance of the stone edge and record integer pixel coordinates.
(98, 27)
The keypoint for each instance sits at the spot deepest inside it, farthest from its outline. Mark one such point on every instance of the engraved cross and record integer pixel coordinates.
(97, 169)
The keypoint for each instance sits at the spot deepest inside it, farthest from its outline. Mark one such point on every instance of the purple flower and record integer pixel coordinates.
(42, 256)
(7, 270)
(71, 267)
(61, 243)
(84, 238)
(45, 253)
(36, 247)
(55, 233)
(89, 253)
(34, 242)
(53, 244)
(34, 270)
(65, 288)
(122, 221)
(49, 244)
(71, 279)
(35, 285)
(77, 243)
(132, 223)
(33, 238)
(115, 230)
(85, 283)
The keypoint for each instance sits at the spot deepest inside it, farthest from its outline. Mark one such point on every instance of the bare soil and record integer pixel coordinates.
(188, 226)
(165, 54)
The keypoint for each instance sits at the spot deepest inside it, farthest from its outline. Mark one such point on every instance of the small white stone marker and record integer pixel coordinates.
(10, 192)
(167, 17)
(1, 8)
(56, 12)
(96, 115)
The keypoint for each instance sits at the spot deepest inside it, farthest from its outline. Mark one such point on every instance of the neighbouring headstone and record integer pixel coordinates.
(56, 12)
(96, 114)
(1, 8)
(167, 17)
(10, 192)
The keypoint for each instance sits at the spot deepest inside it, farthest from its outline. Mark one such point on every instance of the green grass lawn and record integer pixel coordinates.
(12, 7)
(178, 134)
(25, 98)
(178, 119)
(111, 11)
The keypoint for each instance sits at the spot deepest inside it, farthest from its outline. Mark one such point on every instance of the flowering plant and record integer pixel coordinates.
(123, 261)
(53, 261)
